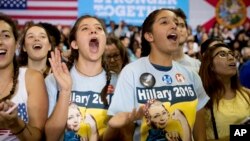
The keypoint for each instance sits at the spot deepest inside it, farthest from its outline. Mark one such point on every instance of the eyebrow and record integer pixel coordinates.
(33, 33)
(162, 18)
(88, 25)
(3, 31)
(167, 18)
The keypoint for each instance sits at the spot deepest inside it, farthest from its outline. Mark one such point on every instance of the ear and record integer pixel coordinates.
(74, 45)
(149, 37)
(50, 47)
(24, 49)
(148, 121)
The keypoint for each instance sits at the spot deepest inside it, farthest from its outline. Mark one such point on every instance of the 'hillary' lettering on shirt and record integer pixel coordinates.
(172, 94)
(89, 99)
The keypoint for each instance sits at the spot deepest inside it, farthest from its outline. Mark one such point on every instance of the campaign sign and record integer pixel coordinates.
(131, 11)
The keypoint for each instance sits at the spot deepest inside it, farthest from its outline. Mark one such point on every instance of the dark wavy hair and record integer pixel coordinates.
(14, 31)
(180, 13)
(23, 56)
(206, 44)
(147, 27)
(75, 54)
(213, 86)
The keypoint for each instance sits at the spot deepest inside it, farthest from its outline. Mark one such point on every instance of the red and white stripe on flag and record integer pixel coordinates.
(63, 12)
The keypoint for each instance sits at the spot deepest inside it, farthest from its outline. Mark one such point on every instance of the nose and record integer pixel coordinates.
(36, 38)
(112, 59)
(174, 24)
(93, 31)
(230, 57)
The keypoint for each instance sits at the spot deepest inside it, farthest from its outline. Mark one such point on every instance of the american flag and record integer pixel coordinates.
(63, 12)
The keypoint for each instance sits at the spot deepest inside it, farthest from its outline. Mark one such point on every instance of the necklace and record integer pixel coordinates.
(2, 97)
(84, 74)
(5, 87)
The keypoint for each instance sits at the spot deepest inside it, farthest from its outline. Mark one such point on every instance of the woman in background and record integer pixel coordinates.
(229, 102)
(35, 47)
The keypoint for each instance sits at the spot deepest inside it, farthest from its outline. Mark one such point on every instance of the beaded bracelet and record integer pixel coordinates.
(19, 132)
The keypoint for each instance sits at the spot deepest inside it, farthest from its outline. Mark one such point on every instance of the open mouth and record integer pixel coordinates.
(172, 37)
(232, 65)
(94, 44)
(37, 47)
(3, 51)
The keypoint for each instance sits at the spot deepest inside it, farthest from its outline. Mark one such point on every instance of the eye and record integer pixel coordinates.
(43, 36)
(164, 22)
(6, 35)
(180, 25)
(156, 116)
(84, 28)
(30, 36)
(99, 28)
(223, 54)
(231, 53)
(116, 55)
(164, 113)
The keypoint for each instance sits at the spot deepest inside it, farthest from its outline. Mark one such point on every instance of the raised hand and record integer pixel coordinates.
(123, 118)
(60, 71)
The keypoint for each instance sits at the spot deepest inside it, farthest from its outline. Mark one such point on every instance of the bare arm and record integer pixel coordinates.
(55, 125)
(124, 133)
(37, 109)
(200, 126)
(178, 115)
(122, 126)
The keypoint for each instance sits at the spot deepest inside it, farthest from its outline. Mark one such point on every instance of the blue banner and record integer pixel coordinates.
(131, 11)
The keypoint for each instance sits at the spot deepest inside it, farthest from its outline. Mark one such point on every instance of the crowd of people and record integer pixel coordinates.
(92, 81)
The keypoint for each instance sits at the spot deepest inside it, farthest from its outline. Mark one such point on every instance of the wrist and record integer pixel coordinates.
(19, 127)
(66, 92)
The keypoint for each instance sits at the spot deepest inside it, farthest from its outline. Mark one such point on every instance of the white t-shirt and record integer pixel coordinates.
(177, 88)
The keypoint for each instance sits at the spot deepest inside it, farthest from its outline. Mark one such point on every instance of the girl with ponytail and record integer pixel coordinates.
(85, 80)
(23, 96)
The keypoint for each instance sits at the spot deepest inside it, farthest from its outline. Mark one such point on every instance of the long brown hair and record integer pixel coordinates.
(147, 26)
(23, 56)
(12, 24)
(75, 54)
(213, 86)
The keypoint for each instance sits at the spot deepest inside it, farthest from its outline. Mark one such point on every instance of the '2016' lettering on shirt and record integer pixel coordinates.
(89, 99)
(172, 94)
(180, 91)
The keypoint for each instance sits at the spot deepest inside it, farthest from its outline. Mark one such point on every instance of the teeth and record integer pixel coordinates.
(3, 51)
(35, 46)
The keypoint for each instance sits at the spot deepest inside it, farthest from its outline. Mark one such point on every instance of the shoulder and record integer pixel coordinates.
(191, 73)
(246, 90)
(137, 63)
(192, 60)
(33, 74)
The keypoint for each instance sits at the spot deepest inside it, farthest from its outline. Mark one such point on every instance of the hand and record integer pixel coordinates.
(8, 120)
(60, 71)
(123, 118)
(173, 136)
(91, 121)
(178, 115)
